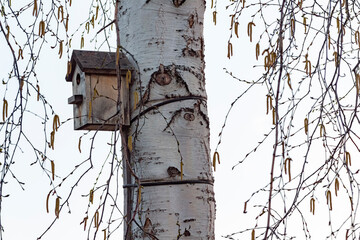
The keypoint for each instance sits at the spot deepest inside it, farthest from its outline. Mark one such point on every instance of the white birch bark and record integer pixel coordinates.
(169, 152)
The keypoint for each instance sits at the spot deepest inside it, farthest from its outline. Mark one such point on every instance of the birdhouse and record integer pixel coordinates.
(95, 89)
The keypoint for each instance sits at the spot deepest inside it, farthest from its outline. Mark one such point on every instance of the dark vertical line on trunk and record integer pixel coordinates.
(124, 133)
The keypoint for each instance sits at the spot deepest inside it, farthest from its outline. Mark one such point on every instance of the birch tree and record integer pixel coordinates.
(168, 179)
(169, 183)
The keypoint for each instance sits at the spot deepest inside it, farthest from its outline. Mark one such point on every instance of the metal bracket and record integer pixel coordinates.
(159, 183)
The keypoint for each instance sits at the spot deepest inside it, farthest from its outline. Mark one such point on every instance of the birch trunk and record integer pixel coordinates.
(170, 185)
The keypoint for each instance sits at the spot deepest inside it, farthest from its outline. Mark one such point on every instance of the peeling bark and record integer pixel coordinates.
(169, 124)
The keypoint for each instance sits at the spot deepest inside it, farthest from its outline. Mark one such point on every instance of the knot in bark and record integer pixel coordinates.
(162, 77)
(173, 172)
(189, 117)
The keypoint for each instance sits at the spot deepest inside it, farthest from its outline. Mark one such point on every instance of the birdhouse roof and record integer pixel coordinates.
(96, 62)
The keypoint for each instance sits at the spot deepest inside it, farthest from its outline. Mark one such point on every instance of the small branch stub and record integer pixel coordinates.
(162, 77)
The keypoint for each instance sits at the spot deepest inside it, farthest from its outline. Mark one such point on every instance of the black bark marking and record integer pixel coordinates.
(187, 233)
(148, 225)
(173, 171)
(194, 46)
(190, 52)
(147, 69)
(145, 97)
(194, 19)
(202, 50)
(204, 116)
(191, 20)
(149, 230)
(178, 3)
(192, 71)
(189, 220)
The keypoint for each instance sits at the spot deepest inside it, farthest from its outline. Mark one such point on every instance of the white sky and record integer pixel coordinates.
(24, 214)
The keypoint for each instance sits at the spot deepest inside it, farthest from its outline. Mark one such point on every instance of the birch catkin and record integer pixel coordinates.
(5, 109)
(249, 29)
(312, 206)
(57, 207)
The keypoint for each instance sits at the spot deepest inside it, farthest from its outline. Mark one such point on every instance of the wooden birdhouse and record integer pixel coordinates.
(95, 89)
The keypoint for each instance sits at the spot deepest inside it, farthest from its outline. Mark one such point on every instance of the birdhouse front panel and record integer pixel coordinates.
(103, 101)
